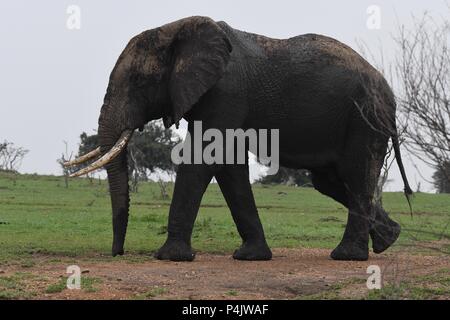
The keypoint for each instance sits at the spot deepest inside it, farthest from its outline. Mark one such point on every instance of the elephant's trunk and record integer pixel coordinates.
(117, 169)
(113, 139)
(120, 200)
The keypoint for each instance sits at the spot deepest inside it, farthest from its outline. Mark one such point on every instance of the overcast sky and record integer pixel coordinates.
(53, 79)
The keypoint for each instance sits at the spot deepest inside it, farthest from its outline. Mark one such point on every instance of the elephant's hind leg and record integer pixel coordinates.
(354, 244)
(359, 169)
(328, 183)
(235, 185)
(384, 231)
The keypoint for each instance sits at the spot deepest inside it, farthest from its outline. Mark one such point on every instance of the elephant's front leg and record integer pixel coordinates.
(235, 185)
(191, 183)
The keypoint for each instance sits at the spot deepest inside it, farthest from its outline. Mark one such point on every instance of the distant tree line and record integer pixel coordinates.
(288, 176)
(441, 178)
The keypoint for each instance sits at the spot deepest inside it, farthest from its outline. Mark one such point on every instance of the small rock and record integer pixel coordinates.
(2, 271)
(85, 271)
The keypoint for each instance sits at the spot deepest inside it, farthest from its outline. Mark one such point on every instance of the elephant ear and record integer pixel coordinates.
(201, 51)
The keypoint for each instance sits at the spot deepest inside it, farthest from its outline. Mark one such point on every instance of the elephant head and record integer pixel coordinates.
(161, 73)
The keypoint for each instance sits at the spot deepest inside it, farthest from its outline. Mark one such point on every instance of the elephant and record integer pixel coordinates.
(335, 114)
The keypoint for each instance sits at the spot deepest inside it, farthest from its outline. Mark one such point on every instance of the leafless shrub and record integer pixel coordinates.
(66, 170)
(423, 68)
(163, 186)
(11, 156)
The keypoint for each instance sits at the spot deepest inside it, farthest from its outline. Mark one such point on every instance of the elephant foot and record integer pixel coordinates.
(117, 252)
(175, 250)
(117, 249)
(253, 251)
(350, 251)
(384, 232)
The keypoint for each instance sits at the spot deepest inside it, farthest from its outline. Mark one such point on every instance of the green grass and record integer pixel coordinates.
(232, 293)
(429, 287)
(57, 287)
(87, 284)
(334, 290)
(152, 293)
(12, 286)
(39, 215)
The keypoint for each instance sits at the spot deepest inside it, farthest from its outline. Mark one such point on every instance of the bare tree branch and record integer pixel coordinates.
(423, 68)
(11, 156)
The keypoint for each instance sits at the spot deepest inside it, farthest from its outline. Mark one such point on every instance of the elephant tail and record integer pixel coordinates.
(407, 189)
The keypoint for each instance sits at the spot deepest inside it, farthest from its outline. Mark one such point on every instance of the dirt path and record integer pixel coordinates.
(292, 273)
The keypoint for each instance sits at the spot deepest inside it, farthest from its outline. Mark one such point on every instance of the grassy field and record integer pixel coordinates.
(44, 227)
(39, 215)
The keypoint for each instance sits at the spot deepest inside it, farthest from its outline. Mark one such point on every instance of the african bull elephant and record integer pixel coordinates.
(335, 114)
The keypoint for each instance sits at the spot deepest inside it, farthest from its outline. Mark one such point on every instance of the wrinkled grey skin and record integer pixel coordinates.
(335, 114)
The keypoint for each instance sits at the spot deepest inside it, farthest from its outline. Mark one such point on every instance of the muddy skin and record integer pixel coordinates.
(335, 114)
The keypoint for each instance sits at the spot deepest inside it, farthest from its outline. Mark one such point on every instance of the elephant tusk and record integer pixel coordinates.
(92, 154)
(107, 157)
